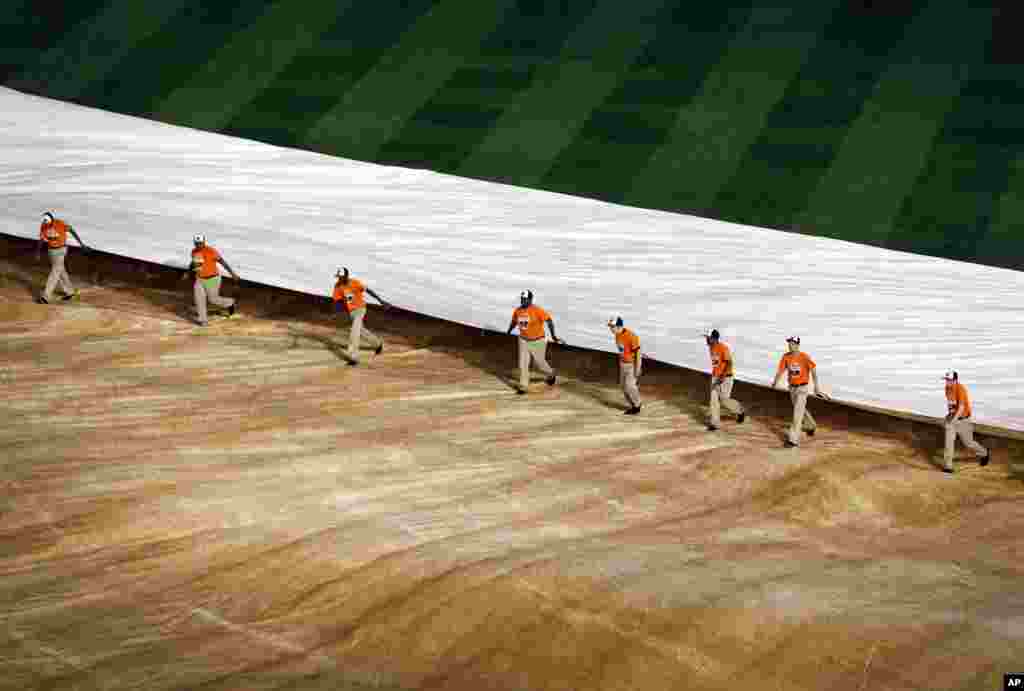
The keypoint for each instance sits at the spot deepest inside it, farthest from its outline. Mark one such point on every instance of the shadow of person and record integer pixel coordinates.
(595, 393)
(333, 346)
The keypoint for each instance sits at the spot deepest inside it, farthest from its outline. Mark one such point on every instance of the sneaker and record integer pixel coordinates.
(984, 460)
(790, 445)
(947, 470)
(810, 432)
(202, 323)
(379, 349)
(42, 301)
(632, 411)
(71, 296)
(520, 392)
(712, 428)
(740, 418)
(551, 380)
(231, 310)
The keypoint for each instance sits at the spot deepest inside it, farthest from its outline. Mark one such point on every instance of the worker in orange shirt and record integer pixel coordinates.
(722, 374)
(630, 360)
(348, 299)
(207, 284)
(53, 234)
(530, 320)
(800, 369)
(958, 422)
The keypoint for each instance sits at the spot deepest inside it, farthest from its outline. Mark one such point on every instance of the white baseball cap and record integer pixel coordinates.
(199, 238)
(950, 375)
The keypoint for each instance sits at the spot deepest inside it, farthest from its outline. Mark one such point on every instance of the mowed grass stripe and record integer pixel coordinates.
(21, 29)
(163, 61)
(318, 76)
(29, 28)
(375, 109)
(460, 114)
(529, 136)
(248, 63)
(1003, 243)
(954, 201)
(886, 148)
(808, 124)
(712, 133)
(93, 49)
(621, 134)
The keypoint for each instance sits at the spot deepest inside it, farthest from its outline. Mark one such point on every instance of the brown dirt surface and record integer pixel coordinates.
(234, 508)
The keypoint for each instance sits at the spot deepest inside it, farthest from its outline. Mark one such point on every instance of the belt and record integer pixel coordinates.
(204, 278)
(532, 340)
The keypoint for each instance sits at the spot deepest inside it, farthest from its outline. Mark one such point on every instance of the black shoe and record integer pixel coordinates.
(984, 461)
(379, 349)
(632, 411)
(231, 310)
(712, 428)
(42, 301)
(69, 296)
(551, 380)
(948, 470)
(810, 432)
(351, 363)
(520, 392)
(789, 445)
(740, 418)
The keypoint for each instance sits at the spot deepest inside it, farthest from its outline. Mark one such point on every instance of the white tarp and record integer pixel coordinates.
(883, 326)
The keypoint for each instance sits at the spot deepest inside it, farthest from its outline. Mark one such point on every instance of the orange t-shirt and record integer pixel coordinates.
(54, 234)
(955, 395)
(799, 366)
(204, 261)
(530, 321)
(628, 343)
(351, 294)
(721, 360)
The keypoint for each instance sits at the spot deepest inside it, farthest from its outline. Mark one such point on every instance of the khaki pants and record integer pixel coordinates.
(360, 333)
(532, 350)
(208, 290)
(964, 429)
(802, 419)
(58, 274)
(628, 372)
(721, 395)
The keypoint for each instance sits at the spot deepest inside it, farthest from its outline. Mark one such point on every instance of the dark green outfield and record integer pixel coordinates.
(893, 122)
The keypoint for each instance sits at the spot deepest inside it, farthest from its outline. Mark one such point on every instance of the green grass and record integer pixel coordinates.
(898, 123)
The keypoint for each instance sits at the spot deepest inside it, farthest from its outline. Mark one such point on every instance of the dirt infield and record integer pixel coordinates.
(234, 508)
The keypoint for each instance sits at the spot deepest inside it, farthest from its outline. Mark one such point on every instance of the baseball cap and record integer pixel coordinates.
(617, 321)
(950, 375)
(793, 339)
